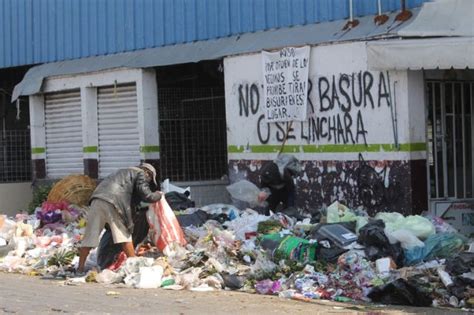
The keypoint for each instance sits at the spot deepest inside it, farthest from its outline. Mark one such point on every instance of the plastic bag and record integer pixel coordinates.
(406, 238)
(440, 225)
(245, 191)
(400, 292)
(440, 245)
(376, 243)
(7, 227)
(421, 227)
(108, 277)
(164, 225)
(179, 201)
(338, 212)
(150, 277)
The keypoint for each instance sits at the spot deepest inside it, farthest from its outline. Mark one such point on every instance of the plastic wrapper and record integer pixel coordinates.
(189, 278)
(50, 216)
(268, 286)
(164, 225)
(247, 222)
(109, 277)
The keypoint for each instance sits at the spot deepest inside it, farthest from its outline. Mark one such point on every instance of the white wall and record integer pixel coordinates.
(15, 197)
(339, 77)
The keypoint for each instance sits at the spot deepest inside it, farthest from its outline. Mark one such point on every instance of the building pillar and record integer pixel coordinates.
(38, 137)
(417, 116)
(147, 103)
(90, 135)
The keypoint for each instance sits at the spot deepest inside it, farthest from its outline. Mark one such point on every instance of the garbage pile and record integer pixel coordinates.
(343, 255)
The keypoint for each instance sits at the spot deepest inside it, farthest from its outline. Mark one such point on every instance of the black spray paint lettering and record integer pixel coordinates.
(346, 92)
(251, 97)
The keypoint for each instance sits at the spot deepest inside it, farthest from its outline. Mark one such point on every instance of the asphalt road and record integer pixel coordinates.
(20, 294)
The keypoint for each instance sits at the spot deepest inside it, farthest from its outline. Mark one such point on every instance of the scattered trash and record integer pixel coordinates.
(347, 257)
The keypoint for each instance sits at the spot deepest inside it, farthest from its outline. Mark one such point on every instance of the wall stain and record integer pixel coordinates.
(376, 185)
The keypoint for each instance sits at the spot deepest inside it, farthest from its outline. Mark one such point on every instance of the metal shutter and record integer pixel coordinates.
(63, 126)
(119, 142)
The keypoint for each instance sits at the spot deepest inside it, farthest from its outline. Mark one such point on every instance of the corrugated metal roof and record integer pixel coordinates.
(39, 31)
(211, 49)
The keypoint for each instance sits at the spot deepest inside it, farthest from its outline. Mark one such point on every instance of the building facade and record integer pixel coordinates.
(390, 97)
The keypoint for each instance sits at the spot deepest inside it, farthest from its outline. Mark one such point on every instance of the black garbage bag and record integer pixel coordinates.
(233, 282)
(377, 245)
(400, 292)
(108, 252)
(197, 218)
(179, 201)
(328, 251)
(460, 263)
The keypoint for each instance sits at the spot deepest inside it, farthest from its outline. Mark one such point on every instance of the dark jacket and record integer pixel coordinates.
(125, 189)
(282, 188)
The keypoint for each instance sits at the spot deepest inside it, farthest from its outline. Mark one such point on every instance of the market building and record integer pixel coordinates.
(180, 84)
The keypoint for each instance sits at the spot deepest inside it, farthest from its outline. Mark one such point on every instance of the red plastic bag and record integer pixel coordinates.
(164, 225)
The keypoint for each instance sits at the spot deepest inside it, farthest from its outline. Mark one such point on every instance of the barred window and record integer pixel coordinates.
(15, 156)
(193, 144)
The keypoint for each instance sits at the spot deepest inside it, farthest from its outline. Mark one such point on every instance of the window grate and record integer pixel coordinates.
(15, 156)
(193, 144)
(450, 139)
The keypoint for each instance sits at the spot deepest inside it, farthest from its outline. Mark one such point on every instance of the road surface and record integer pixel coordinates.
(21, 294)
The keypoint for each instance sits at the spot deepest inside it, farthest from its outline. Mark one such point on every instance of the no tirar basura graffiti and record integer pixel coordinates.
(338, 106)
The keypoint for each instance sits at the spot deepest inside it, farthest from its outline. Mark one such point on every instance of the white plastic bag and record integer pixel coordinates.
(245, 191)
(150, 277)
(406, 238)
(107, 276)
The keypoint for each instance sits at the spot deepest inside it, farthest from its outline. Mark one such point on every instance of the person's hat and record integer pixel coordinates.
(151, 169)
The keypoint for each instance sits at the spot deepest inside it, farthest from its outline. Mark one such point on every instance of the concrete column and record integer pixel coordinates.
(417, 133)
(90, 136)
(38, 136)
(147, 98)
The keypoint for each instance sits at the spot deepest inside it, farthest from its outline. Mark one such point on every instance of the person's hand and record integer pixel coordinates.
(262, 196)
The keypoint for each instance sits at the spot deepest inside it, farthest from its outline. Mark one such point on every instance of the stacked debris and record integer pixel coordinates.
(344, 256)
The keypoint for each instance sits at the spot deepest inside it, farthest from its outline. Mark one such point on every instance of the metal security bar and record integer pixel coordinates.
(193, 144)
(15, 156)
(450, 139)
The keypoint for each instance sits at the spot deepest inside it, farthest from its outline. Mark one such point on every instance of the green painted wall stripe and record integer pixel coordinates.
(329, 148)
(38, 150)
(92, 149)
(149, 148)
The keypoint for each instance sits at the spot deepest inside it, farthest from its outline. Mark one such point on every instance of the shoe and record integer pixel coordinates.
(78, 274)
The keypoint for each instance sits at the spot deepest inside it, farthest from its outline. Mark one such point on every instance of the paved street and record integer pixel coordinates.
(20, 294)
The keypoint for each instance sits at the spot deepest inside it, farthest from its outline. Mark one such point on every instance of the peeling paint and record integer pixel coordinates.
(375, 185)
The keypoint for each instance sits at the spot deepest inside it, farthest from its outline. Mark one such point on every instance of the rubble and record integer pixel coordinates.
(347, 257)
